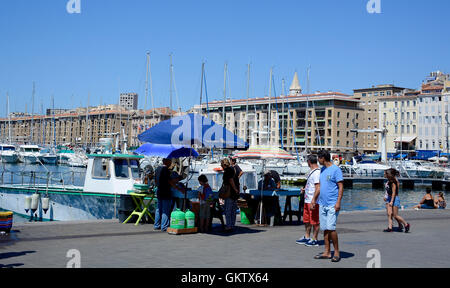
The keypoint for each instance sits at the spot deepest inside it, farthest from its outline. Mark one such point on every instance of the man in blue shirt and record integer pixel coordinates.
(330, 196)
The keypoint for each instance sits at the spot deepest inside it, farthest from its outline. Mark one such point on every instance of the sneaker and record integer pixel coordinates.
(387, 230)
(302, 241)
(407, 226)
(312, 243)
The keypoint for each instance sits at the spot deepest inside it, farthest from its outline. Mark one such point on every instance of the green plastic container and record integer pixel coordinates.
(244, 219)
(177, 219)
(190, 219)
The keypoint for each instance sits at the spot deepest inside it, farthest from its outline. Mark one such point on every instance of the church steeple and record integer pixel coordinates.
(295, 88)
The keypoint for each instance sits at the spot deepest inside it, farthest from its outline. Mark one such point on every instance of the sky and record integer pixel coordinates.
(102, 50)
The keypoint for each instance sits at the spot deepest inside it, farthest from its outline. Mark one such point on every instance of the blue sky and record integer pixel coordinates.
(102, 50)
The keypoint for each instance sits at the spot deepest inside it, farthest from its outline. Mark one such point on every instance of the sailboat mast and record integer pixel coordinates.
(307, 112)
(282, 112)
(54, 128)
(171, 81)
(201, 85)
(32, 111)
(269, 117)
(9, 119)
(224, 94)
(246, 106)
(146, 91)
(151, 86)
(87, 120)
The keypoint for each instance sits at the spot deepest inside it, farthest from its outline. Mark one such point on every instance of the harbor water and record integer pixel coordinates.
(358, 198)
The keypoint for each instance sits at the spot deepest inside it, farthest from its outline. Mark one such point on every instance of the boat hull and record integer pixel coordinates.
(48, 159)
(65, 204)
(14, 158)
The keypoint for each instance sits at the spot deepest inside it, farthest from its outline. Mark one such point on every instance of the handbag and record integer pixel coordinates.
(225, 191)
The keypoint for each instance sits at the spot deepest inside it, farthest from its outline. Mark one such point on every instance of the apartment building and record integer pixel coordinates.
(298, 121)
(399, 115)
(82, 126)
(433, 110)
(369, 98)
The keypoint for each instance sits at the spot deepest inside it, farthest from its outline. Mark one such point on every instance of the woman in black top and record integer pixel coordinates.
(393, 201)
(427, 201)
(230, 202)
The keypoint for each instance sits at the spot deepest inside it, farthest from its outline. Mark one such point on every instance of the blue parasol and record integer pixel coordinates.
(166, 151)
(193, 129)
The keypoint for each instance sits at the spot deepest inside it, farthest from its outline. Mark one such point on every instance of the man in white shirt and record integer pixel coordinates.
(311, 214)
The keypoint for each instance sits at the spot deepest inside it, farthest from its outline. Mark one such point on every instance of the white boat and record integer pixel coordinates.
(366, 168)
(107, 178)
(296, 168)
(413, 169)
(29, 154)
(198, 165)
(48, 157)
(438, 171)
(278, 166)
(8, 153)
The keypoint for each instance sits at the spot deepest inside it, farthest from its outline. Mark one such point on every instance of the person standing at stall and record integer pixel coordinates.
(229, 193)
(330, 197)
(165, 183)
(237, 174)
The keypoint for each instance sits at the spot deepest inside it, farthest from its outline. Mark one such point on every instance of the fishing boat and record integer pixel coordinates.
(29, 154)
(8, 153)
(107, 177)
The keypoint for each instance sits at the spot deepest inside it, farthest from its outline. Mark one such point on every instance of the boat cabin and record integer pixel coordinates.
(29, 148)
(112, 173)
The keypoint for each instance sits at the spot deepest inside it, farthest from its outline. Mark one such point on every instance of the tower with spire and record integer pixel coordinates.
(295, 89)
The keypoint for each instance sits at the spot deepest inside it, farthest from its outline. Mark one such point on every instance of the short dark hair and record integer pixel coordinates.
(202, 178)
(428, 190)
(312, 159)
(324, 154)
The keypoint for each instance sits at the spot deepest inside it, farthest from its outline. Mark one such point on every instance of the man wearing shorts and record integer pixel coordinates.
(311, 216)
(330, 196)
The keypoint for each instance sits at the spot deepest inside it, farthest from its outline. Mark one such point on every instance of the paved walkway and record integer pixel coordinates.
(111, 244)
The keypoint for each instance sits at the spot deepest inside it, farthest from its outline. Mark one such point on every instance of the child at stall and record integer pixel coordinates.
(205, 196)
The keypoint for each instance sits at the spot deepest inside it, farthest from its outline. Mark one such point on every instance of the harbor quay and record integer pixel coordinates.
(110, 244)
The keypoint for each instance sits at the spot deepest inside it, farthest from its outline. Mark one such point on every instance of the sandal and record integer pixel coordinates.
(336, 259)
(321, 256)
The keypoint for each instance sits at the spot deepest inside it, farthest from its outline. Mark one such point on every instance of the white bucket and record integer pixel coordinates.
(27, 203)
(45, 204)
(34, 202)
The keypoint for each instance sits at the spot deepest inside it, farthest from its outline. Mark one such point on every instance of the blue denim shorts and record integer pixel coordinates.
(425, 206)
(396, 201)
(328, 218)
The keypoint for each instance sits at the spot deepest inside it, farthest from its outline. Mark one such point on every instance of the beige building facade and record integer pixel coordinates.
(298, 121)
(77, 127)
(399, 115)
(369, 98)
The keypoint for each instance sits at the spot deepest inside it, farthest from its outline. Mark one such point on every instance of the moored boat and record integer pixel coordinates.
(8, 153)
(107, 178)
